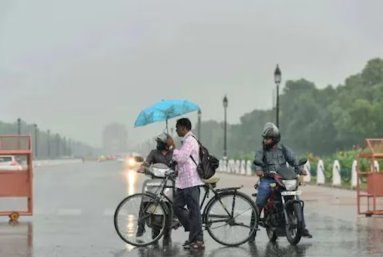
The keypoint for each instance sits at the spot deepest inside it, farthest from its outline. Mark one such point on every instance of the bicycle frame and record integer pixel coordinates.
(159, 195)
(223, 209)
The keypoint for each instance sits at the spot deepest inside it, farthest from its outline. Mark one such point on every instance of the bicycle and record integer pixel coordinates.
(226, 216)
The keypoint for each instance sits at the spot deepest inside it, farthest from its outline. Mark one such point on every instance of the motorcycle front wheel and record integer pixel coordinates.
(294, 226)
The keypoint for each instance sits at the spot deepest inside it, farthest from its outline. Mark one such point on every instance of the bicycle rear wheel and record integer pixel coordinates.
(228, 218)
(139, 219)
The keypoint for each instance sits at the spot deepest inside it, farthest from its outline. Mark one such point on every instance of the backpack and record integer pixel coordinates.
(208, 163)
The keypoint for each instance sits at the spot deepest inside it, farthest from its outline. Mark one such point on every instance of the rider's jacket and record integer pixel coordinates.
(274, 158)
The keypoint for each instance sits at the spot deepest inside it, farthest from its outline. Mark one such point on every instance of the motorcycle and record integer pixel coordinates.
(154, 185)
(283, 213)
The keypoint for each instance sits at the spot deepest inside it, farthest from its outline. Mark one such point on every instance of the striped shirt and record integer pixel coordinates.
(187, 169)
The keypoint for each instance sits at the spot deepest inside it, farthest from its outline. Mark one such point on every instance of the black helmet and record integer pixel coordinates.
(271, 131)
(162, 141)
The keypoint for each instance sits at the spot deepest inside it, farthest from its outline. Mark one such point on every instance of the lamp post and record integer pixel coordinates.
(64, 146)
(70, 147)
(18, 132)
(277, 80)
(199, 124)
(49, 143)
(57, 145)
(225, 104)
(36, 140)
(18, 126)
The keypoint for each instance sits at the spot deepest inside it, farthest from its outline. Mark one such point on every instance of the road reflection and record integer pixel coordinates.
(271, 249)
(162, 249)
(16, 239)
(131, 177)
(371, 237)
(274, 249)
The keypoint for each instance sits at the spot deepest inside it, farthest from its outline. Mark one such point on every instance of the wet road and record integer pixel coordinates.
(74, 207)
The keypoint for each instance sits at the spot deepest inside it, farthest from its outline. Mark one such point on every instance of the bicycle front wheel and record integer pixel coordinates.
(140, 219)
(228, 218)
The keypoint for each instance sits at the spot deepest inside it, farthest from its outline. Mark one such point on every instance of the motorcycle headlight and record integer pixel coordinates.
(290, 184)
(131, 162)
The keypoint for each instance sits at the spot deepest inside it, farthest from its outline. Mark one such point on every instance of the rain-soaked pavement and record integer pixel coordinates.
(74, 207)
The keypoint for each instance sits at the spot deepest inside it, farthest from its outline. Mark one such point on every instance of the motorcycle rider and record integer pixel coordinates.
(274, 156)
(161, 154)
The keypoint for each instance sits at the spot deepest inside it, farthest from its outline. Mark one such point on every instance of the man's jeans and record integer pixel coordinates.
(190, 218)
(264, 192)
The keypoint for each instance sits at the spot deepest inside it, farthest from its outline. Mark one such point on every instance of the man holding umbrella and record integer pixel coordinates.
(188, 184)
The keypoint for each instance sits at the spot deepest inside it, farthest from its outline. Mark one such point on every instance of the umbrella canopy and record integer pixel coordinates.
(164, 110)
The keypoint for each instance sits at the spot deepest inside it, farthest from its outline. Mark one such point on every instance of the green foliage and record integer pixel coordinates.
(319, 121)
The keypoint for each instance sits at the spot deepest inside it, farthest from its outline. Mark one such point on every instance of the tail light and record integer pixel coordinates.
(14, 163)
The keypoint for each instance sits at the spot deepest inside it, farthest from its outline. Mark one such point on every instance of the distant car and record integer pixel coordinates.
(9, 162)
(120, 158)
(101, 158)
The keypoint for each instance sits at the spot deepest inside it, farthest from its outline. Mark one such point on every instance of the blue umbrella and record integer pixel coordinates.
(164, 110)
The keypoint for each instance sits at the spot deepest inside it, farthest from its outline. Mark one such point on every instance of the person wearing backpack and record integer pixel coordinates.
(188, 184)
(273, 155)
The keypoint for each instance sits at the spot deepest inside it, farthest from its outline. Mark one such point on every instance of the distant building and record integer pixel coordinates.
(115, 138)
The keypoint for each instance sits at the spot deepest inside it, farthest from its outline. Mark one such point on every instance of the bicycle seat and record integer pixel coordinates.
(212, 180)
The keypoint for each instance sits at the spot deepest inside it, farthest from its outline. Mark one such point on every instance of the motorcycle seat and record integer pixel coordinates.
(212, 180)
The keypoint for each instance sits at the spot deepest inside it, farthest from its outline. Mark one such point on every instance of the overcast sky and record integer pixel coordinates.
(74, 66)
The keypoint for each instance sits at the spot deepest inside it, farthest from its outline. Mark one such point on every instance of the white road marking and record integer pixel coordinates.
(69, 212)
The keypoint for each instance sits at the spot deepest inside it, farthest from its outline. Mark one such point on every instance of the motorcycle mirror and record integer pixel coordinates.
(302, 161)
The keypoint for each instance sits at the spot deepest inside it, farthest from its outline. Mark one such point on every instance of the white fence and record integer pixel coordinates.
(243, 167)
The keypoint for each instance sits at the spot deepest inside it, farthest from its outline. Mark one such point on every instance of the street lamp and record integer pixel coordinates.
(18, 126)
(36, 139)
(70, 147)
(277, 80)
(225, 104)
(57, 145)
(18, 132)
(49, 143)
(64, 146)
(199, 124)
